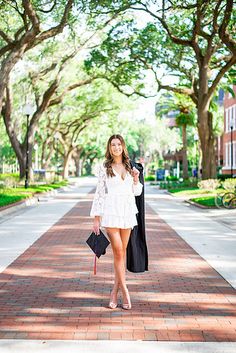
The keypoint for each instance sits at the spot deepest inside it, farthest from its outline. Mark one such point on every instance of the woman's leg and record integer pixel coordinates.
(118, 254)
(125, 235)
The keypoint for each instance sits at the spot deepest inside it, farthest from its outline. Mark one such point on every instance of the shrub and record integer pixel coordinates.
(149, 178)
(229, 184)
(172, 178)
(190, 183)
(8, 199)
(223, 177)
(9, 180)
(209, 184)
(9, 175)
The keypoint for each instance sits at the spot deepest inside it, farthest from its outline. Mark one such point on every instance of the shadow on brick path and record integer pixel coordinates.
(50, 292)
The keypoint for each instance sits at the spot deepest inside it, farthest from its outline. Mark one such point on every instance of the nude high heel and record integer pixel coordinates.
(127, 306)
(112, 304)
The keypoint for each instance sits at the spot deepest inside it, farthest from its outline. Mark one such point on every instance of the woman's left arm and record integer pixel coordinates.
(137, 186)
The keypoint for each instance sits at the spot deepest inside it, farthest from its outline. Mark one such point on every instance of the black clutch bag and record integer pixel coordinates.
(98, 244)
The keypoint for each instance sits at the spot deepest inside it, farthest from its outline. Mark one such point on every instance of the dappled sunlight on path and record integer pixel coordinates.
(50, 292)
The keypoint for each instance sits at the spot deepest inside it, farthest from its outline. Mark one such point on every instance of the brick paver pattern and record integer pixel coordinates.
(50, 292)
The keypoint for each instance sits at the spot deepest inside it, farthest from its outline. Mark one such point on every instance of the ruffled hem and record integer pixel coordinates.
(111, 221)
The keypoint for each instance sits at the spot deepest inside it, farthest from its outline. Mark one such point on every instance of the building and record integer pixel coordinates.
(229, 136)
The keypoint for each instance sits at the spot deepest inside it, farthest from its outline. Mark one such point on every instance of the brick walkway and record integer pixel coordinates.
(49, 292)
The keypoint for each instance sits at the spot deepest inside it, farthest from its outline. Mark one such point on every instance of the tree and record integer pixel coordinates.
(6, 151)
(22, 29)
(185, 114)
(184, 119)
(191, 41)
(50, 78)
(43, 101)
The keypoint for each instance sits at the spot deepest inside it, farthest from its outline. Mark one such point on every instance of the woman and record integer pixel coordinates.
(115, 209)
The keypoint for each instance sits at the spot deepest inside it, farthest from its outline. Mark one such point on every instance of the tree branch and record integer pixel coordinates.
(5, 49)
(59, 98)
(116, 85)
(196, 32)
(223, 34)
(51, 8)
(6, 113)
(215, 16)
(174, 39)
(30, 12)
(221, 73)
(185, 7)
(18, 32)
(220, 61)
(185, 91)
(57, 29)
(44, 72)
(5, 37)
(44, 104)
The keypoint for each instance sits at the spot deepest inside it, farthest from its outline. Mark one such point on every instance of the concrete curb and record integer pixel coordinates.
(56, 346)
(200, 206)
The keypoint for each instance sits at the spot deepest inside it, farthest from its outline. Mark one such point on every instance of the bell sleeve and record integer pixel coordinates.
(137, 189)
(99, 197)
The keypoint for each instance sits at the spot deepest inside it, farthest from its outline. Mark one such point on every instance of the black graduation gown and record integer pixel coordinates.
(137, 254)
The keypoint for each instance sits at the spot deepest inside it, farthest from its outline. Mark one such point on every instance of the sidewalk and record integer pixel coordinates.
(204, 230)
(50, 293)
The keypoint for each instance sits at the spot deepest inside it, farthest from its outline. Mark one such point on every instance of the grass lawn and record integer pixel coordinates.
(208, 201)
(201, 196)
(188, 191)
(12, 195)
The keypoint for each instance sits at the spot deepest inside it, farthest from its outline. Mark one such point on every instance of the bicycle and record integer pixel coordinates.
(228, 197)
(233, 203)
(218, 199)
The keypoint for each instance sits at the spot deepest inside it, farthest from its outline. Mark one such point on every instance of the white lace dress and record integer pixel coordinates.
(114, 200)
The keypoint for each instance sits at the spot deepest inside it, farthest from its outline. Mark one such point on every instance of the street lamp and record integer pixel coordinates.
(28, 110)
(231, 145)
(196, 138)
(57, 136)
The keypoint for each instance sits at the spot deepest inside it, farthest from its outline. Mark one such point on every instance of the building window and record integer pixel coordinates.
(230, 118)
(228, 155)
(226, 119)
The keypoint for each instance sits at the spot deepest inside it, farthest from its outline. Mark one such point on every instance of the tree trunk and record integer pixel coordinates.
(205, 127)
(22, 166)
(207, 141)
(66, 162)
(76, 157)
(82, 166)
(21, 157)
(47, 153)
(184, 152)
(19, 149)
(77, 166)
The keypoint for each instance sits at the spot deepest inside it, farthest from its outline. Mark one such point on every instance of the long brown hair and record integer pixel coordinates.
(109, 158)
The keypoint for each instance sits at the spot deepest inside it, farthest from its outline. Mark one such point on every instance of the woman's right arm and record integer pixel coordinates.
(98, 201)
